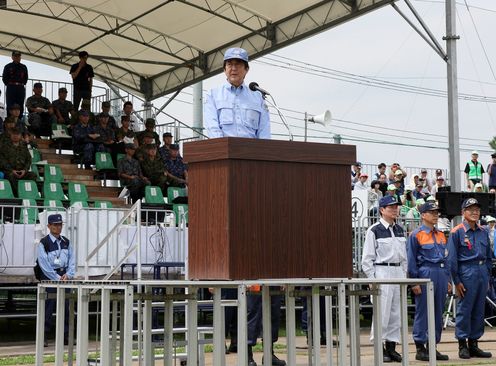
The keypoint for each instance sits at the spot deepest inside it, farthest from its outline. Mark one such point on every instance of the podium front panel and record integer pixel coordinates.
(253, 219)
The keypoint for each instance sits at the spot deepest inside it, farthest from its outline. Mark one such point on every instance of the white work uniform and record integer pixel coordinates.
(384, 256)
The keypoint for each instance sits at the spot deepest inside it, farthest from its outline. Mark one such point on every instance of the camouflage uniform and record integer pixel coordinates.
(137, 185)
(16, 157)
(154, 170)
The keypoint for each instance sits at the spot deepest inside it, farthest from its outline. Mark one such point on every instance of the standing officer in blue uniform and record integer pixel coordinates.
(470, 263)
(58, 263)
(15, 77)
(427, 255)
(233, 109)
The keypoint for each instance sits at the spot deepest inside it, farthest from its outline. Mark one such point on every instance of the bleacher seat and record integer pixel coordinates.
(53, 191)
(78, 193)
(181, 212)
(105, 166)
(6, 189)
(174, 192)
(29, 213)
(153, 194)
(36, 156)
(53, 205)
(53, 173)
(27, 189)
(103, 161)
(120, 156)
(103, 204)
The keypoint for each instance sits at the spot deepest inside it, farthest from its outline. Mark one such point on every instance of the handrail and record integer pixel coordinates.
(135, 206)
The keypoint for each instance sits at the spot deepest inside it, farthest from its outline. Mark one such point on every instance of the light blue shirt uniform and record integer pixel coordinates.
(236, 112)
(56, 259)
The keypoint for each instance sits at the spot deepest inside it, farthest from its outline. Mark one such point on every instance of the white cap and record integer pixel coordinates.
(490, 219)
(475, 152)
(398, 172)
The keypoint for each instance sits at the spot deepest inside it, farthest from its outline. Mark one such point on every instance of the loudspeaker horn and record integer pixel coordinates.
(323, 119)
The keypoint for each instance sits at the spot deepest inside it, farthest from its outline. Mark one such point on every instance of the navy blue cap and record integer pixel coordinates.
(83, 112)
(174, 147)
(470, 202)
(38, 85)
(236, 52)
(55, 219)
(388, 201)
(428, 206)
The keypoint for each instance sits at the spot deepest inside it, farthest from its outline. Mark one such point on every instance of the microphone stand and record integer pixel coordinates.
(283, 119)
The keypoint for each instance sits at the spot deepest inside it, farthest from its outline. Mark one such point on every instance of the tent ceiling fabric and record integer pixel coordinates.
(150, 47)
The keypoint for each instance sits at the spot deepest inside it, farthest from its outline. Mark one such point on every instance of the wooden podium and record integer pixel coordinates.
(263, 209)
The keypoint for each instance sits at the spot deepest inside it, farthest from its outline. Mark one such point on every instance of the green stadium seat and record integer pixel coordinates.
(120, 156)
(79, 204)
(6, 189)
(103, 204)
(27, 189)
(53, 191)
(174, 192)
(181, 212)
(36, 156)
(103, 161)
(29, 213)
(53, 205)
(53, 173)
(77, 192)
(153, 194)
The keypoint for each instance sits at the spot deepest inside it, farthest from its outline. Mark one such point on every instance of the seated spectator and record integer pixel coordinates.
(150, 128)
(439, 173)
(392, 190)
(356, 170)
(164, 149)
(15, 160)
(177, 170)
(428, 183)
(415, 179)
(439, 184)
(106, 134)
(419, 190)
(130, 174)
(128, 111)
(38, 118)
(112, 123)
(63, 108)
(398, 183)
(85, 106)
(383, 184)
(381, 169)
(142, 151)
(479, 188)
(392, 173)
(408, 201)
(399, 175)
(15, 115)
(124, 132)
(153, 168)
(84, 138)
(375, 195)
(362, 182)
(9, 126)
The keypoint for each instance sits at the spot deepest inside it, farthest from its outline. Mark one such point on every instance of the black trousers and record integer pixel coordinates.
(254, 309)
(78, 95)
(15, 94)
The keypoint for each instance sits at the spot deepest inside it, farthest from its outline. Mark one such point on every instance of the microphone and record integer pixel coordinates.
(254, 87)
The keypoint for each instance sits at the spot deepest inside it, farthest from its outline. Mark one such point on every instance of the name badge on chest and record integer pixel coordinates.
(56, 261)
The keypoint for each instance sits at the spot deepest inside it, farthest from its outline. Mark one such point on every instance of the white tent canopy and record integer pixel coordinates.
(154, 47)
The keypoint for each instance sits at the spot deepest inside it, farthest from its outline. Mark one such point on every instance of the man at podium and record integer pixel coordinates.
(233, 110)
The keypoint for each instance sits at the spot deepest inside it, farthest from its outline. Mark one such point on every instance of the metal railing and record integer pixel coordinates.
(142, 297)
